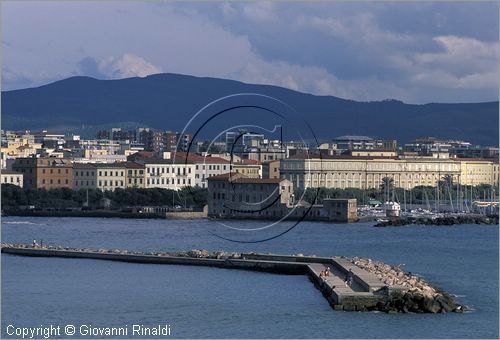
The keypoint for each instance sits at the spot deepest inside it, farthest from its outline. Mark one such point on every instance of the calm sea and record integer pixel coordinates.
(207, 302)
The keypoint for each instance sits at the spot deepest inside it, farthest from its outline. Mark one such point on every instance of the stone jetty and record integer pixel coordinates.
(410, 293)
(439, 221)
(371, 286)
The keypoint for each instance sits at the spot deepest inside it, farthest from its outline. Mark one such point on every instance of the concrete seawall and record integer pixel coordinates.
(366, 292)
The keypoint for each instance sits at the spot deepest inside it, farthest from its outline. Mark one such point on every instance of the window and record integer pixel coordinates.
(58, 171)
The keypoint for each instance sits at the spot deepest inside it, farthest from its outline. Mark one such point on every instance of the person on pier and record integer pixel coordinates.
(350, 278)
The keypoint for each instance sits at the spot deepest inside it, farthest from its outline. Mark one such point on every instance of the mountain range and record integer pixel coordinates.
(166, 101)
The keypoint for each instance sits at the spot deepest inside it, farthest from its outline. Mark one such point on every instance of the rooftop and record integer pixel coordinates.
(353, 138)
(234, 177)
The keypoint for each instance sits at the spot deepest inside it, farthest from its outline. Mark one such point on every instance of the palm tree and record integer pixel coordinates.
(387, 186)
(448, 180)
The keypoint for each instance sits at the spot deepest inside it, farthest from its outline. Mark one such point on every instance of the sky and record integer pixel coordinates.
(417, 52)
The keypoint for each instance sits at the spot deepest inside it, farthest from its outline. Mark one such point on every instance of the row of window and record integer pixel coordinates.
(105, 182)
(166, 181)
(85, 183)
(82, 173)
(162, 170)
(212, 167)
(52, 171)
(51, 181)
(12, 179)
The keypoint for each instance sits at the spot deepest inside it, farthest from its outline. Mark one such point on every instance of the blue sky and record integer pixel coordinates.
(416, 52)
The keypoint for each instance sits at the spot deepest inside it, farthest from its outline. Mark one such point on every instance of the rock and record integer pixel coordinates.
(431, 306)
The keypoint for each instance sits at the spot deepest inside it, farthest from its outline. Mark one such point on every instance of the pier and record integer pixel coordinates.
(366, 292)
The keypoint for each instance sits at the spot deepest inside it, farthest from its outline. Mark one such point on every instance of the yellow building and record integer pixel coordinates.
(135, 176)
(478, 171)
(20, 149)
(247, 167)
(366, 172)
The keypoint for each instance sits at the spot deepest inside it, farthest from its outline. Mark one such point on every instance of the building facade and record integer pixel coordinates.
(271, 169)
(366, 173)
(135, 175)
(235, 196)
(45, 172)
(248, 168)
(12, 177)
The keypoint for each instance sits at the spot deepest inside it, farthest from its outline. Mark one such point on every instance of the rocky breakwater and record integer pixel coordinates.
(406, 292)
(194, 253)
(440, 221)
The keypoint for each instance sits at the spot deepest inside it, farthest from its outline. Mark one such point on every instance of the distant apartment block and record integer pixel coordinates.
(271, 169)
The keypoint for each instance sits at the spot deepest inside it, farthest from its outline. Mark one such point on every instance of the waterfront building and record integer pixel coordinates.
(474, 171)
(110, 176)
(166, 173)
(206, 167)
(84, 176)
(368, 172)
(344, 210)
(103, 176)
(12, 177)
(135, 176)
(45, 172)
(233, 195)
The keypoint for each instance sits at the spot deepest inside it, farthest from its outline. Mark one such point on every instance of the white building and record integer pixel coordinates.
(166, 174)
(12, 177)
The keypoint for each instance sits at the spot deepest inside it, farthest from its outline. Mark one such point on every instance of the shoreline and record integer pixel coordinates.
(390, 222)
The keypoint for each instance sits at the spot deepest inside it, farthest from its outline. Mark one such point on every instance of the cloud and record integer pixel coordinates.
(128, 65)
(370, 51)
(89, 66)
